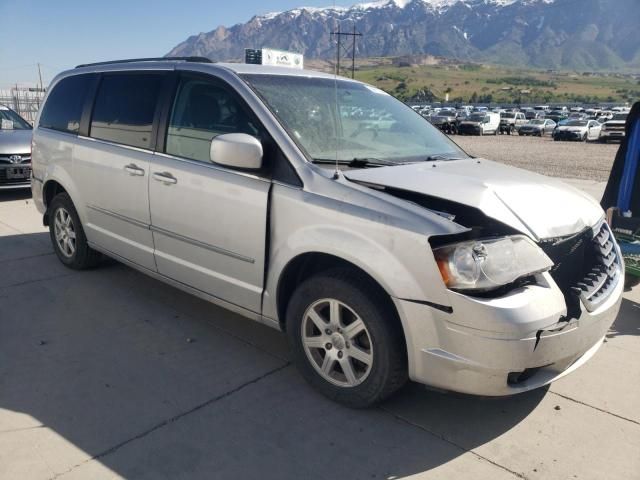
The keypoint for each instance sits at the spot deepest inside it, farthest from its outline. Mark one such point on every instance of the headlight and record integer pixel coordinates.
(489, 263)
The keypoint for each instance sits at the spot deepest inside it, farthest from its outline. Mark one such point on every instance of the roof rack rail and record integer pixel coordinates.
(151, 59)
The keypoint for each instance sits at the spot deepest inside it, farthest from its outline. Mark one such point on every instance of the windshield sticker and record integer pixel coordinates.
(6, 124)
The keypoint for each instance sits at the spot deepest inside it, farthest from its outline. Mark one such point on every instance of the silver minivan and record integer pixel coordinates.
(324, 207)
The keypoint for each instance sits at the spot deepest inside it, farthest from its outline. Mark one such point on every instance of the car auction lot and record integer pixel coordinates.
(565, 159)
(108, 373)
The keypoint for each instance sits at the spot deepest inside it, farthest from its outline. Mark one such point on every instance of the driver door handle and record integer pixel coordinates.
(134, 170)
(165, 177)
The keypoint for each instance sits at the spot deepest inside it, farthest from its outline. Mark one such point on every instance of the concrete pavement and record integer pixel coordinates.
(108, 374)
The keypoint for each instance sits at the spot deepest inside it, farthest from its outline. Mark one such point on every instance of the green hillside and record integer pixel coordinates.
(485, 84)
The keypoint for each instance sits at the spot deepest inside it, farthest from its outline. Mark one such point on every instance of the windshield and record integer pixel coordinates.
(477, 117)
(536, 122)
(507, 115)
(364, 122)
(620, 116)
(577, 123)
(10, 120)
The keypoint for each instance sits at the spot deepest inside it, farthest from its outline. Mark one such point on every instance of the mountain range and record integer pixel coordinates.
(556, 34)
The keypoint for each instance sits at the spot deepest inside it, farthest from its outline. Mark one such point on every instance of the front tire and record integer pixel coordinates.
(346, 338)
(67, 235)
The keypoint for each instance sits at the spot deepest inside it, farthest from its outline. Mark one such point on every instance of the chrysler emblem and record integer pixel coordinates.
(15, 158)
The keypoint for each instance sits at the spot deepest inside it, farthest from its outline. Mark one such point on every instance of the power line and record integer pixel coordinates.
(353, 36)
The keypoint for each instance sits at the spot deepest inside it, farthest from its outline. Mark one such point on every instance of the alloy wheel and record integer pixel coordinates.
(337, 342)
(65, 232)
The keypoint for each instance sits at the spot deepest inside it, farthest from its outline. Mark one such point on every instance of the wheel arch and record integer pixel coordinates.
(53, 186)
(307, 264)
(50, 189)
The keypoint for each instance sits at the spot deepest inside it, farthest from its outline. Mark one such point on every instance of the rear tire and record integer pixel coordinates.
(67, 235)
(341, 318)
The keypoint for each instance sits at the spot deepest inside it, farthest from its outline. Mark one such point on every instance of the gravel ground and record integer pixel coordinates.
(587, 161)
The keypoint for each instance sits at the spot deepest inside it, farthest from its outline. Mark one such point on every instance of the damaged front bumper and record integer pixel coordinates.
(502, 346)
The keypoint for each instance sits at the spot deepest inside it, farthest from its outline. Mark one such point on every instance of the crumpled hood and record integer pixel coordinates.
(15, 141)
(538, 206)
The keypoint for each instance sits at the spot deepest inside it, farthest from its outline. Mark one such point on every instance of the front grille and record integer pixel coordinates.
(586, 267)
(5, 159)
(563, 134)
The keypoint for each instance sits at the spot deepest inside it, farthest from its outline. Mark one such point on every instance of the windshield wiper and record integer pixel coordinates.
(357, 162)
(441, 156)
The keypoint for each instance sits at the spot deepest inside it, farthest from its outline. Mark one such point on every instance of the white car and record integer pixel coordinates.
(614, 129)
(382, 249)
(580, 130)
(480, 123)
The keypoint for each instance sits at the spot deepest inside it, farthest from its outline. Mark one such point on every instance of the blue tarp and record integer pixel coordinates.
(631, 162)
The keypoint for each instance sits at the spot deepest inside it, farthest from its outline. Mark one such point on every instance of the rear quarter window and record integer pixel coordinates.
(63, 108)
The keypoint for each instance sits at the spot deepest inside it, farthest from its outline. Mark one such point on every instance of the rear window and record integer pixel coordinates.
(124, 108)
(63, 108)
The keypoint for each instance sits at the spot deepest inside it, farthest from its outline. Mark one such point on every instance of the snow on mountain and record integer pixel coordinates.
(580, 34)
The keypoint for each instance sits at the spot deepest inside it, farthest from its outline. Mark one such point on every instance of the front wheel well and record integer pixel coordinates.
(309, 264)
(49, 192)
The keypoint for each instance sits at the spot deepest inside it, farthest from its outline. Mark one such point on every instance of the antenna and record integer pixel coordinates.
(336, 173)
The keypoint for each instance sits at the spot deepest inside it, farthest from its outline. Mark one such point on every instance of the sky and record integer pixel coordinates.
(60, 34)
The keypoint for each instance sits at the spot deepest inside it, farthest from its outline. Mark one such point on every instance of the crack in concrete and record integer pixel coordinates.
(27, 282)
(8, 260)
(454, 444)
(595, 408)
(173, 419)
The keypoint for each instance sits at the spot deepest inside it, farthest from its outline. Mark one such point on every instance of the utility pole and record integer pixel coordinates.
(40, 75)
(353, 36)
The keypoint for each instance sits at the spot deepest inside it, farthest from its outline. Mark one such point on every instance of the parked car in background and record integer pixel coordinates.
(510, 122)
(446, 121)
(15, 150)
(557, 115)
(580, 130)
(576, 116)
(480, 123)
(533, 114)
(384, 253)
(538, 127)
(614, 129)
(604, 116)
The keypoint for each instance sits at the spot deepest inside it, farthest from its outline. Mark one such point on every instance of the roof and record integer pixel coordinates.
(252, 69)
(167, 64)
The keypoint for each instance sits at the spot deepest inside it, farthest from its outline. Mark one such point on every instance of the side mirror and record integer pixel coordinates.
(236, 150)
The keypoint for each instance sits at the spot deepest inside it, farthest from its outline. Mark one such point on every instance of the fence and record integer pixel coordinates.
(25, 101)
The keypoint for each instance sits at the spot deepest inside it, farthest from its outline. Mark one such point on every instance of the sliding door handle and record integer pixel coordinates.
(165, 177)
(134, 170)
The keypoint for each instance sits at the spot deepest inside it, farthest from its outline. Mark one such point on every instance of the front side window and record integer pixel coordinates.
(346, 121)
(201, 111)
(63, 108)
(124, 108)
(10, 120)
